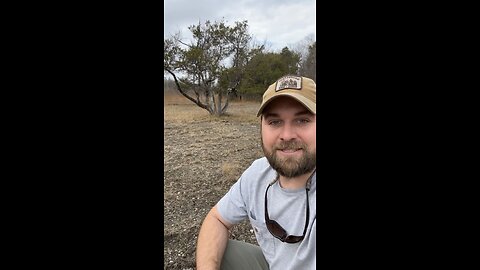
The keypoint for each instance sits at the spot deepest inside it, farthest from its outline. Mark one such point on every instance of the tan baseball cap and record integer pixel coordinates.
(303, 89)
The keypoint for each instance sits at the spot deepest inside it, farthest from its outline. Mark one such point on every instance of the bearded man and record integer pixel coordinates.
(277, 193)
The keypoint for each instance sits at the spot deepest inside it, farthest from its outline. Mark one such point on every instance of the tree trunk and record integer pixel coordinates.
(219, 105)
(213, 102)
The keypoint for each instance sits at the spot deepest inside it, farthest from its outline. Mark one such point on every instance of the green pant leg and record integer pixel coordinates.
(240, 255)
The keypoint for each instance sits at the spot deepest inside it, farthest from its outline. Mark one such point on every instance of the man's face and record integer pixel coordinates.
(289, 137)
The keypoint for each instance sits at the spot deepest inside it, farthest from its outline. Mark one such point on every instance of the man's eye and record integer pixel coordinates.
(274, 122)
(303, 121)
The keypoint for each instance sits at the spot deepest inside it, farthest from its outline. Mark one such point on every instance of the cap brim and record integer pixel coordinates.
(310, 105)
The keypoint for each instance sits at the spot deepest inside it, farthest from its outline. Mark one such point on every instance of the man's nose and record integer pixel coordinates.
(288, 133)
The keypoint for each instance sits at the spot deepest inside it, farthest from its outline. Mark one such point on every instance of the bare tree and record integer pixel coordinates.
(308, 67)
(307, 49)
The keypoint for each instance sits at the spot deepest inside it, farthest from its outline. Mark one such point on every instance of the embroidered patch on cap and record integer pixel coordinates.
(288, 82)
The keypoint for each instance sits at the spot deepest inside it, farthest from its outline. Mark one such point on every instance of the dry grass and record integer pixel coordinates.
(231, 171)
(204, 156)
(179, 109)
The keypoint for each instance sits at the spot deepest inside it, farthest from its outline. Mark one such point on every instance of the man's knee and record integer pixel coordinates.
(241, 255)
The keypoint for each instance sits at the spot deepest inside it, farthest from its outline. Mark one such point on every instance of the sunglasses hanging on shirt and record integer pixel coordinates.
(276, 229)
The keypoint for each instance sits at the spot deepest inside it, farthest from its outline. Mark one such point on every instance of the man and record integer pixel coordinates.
(277, 193)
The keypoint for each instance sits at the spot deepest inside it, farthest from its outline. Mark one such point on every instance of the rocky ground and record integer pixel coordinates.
(203, 157)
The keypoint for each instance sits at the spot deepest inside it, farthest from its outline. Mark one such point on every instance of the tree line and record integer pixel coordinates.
(222, 62)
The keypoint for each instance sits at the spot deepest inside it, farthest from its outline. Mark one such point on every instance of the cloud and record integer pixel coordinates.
(280, 22)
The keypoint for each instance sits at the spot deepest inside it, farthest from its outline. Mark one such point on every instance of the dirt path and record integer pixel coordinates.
(203, 157)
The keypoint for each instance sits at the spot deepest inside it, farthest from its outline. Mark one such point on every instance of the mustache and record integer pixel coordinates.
(289, 146)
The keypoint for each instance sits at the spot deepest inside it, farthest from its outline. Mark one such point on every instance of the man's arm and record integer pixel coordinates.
(212, 241)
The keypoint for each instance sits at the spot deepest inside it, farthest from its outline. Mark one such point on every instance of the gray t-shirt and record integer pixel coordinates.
(246, 198)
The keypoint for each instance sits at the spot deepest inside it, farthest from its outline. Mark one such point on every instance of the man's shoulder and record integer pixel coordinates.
(260, 164)
(259, 169)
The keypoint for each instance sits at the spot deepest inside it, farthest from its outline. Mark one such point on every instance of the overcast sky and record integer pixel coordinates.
(279, 22)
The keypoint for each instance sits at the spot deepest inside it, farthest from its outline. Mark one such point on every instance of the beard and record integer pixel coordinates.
(291, 166)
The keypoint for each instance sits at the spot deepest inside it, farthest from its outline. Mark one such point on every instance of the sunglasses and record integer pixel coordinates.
(276, 229)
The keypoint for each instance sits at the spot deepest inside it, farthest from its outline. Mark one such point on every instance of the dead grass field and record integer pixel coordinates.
(203, 157)
(178, 108)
